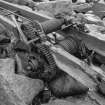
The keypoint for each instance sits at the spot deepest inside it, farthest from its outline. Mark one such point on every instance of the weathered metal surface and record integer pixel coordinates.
(81, 71)
(83, 78)
(61, 53)
(33, 15)
(83, 75)
(70, 64)
(24, 12)
(73, 69)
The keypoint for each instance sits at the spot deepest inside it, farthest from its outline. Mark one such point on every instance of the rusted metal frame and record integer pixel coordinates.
(88, 68)
(72, 71)
(29, 14)
(33, 15)
(69, 57)
(26, 13)
(66, 68)
(11, 25)
(75, 72)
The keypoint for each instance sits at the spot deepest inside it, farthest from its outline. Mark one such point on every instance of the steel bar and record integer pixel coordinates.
(33, 15)
(87, 82)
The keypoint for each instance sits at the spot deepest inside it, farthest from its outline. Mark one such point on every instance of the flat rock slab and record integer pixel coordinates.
(7, 96)
(24, 88)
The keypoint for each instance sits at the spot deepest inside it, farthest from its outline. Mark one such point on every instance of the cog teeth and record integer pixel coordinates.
(51, 62)
(29, 30)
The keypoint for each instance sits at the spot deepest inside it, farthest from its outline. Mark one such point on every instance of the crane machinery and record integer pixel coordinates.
(74, 44)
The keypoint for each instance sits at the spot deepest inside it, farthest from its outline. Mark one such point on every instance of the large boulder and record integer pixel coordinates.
(64, 85)
(7, 96)
(24, 88)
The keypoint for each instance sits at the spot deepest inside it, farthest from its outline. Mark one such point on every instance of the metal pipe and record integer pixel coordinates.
(52, 25)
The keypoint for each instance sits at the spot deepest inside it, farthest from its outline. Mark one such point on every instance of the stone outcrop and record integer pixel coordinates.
(16, 89)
